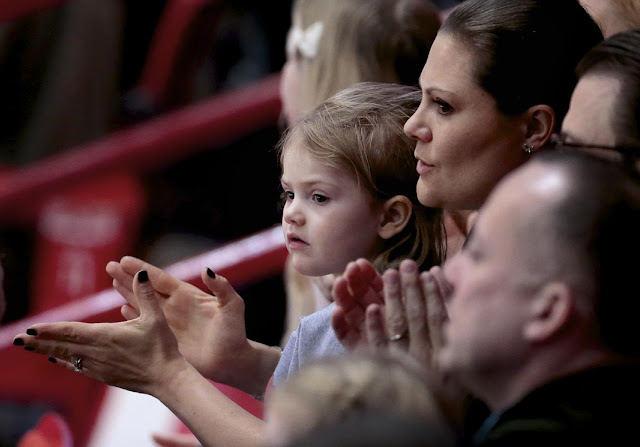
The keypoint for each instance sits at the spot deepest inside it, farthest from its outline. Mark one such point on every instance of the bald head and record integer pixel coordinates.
(578, 220)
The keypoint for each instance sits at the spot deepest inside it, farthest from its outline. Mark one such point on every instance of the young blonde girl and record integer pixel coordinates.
(346, 163)
(332, 45)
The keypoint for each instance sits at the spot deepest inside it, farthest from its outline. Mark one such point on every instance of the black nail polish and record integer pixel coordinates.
(18, 342)
(211, 273)
(52, 360)
(29, 348)
(32, 332)
(143, 276)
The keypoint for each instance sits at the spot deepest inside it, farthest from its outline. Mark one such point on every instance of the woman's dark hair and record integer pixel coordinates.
(525, 51)
(619, 56)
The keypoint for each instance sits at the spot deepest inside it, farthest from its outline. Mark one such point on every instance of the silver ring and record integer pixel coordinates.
(397, 337)
(77, 365)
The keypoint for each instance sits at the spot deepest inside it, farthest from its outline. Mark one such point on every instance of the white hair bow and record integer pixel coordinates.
(304, 41)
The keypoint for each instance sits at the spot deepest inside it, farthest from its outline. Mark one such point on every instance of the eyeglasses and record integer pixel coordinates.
(628, 155)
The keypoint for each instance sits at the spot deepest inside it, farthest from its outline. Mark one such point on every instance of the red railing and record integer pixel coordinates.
(152, 145)
(15, 9)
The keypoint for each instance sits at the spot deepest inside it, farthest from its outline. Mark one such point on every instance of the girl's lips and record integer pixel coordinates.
(294, 242)
(423, 167)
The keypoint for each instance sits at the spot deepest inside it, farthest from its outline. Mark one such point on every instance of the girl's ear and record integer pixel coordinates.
(396, 213)
(541, 122)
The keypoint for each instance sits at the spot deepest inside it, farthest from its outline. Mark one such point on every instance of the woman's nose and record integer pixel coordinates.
(417, 127)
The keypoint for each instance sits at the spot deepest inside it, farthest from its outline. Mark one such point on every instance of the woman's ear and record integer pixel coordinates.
(396, 213)
(541, 123)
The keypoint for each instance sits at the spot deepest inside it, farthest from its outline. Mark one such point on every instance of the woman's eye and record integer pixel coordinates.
(319, 198)
(445, 108)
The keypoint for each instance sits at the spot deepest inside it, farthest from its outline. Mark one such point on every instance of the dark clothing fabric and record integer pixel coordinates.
(594, 407)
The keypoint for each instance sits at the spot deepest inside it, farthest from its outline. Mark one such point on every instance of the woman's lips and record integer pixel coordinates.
(423, 167)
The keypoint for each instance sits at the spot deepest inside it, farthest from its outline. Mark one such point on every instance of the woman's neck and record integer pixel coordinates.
(457, 225)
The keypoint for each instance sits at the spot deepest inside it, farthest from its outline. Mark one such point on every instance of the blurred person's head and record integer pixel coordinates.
(356, 137)
(544, 286)
(604, 116)
(376, 429)
(335, 390)
(496, 85)
(333, 44)
(614, 16)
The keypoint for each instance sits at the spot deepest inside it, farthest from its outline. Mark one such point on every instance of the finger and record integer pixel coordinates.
(219, 286)
(72, 365)
(376, 333)
(119, 275)
(436, 311)
(128, 312)
(416, 310)
(53, 347)
(342, 294)
(364, 283)
(147, 297)
(126, 293)
(445, 289)
(346, 333)
(175, 440)
(70, 332)
(396, 322)
(164, 283)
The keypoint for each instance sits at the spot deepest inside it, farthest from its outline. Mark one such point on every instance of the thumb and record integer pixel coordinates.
(146, 296)
(219, 287)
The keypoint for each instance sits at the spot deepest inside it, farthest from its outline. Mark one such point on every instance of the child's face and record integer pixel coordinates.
(328, 220)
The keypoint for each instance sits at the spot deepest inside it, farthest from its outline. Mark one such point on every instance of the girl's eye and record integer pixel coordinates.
(319, 198)
(285, 196)
(445, 108)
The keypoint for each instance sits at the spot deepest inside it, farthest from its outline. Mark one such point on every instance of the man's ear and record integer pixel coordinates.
(549, 312)
(396, 213)
(541, 122)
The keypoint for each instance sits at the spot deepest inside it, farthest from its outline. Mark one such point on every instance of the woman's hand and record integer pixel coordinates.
(138, 355)
(412, 321)
(414, 312)
(210, 329)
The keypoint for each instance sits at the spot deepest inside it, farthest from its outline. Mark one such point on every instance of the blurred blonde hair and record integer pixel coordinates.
(361, 130)
(364, 40)
(333, 389)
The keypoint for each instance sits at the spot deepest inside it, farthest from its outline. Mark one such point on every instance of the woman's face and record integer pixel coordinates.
(464, 143)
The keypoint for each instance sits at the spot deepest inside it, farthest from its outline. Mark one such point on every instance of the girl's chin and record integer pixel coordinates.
(308, 269)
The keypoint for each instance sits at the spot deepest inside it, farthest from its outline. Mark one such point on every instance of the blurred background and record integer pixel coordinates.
(140, 128)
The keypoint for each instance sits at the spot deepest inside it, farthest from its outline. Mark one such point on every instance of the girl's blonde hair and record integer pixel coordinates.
(364, 40)
(361, 130)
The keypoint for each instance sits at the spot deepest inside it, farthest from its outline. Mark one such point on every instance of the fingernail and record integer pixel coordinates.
(29, 348)
(211, 273)
(143, 276)
(32, 332)
(18, 342)
(52, 360)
